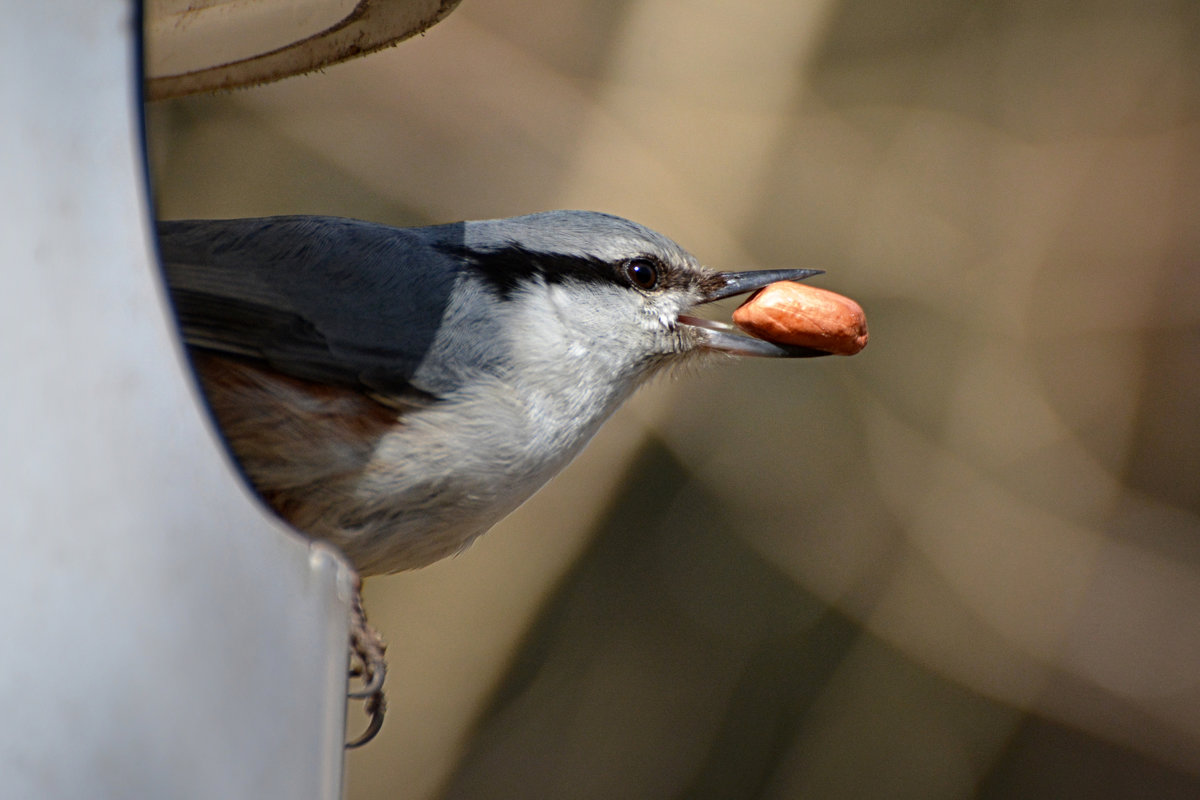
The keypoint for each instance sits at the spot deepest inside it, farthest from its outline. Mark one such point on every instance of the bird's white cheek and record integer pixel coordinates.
(665, 319)
(537, 325)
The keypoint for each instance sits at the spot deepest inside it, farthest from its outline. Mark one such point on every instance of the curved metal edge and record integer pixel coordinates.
(374, 25)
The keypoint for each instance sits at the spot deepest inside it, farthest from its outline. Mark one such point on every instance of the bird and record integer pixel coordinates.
(396, 392)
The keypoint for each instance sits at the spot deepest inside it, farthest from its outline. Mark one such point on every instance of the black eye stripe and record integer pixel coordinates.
(503, 269)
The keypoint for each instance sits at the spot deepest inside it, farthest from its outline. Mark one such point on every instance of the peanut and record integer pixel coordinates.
(805, 316)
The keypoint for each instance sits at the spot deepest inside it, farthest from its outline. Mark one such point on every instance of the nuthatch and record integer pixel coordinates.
(399, 391)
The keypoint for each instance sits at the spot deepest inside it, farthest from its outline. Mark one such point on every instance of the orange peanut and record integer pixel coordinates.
(805, 316)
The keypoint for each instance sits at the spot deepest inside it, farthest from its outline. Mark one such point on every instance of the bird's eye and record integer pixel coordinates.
(642, 273)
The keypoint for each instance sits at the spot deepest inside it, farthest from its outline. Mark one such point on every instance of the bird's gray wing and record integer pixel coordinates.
(326, 299)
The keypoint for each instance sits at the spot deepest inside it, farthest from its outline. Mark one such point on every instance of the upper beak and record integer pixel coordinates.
(723, 337)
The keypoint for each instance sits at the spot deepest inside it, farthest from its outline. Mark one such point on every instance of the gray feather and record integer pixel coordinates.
(363, 305)
(322, 298)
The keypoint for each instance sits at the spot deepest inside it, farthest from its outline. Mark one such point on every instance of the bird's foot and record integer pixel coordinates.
(367, 665)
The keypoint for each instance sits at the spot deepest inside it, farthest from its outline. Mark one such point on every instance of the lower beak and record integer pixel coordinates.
(723, 337)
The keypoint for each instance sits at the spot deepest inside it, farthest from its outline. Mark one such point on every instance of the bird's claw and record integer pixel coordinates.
(368, 664)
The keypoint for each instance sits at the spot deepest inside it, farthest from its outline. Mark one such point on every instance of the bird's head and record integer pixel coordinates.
(585, 286)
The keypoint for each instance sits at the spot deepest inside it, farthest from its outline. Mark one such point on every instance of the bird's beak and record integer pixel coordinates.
(723, 337)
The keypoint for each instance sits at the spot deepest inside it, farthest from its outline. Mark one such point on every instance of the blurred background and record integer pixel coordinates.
(965, 563)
